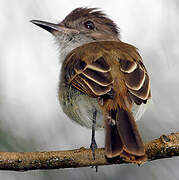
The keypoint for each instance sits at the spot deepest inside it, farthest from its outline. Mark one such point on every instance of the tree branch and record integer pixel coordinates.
(163, 147)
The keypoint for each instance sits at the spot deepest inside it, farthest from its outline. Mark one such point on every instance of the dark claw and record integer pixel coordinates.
(93, 146)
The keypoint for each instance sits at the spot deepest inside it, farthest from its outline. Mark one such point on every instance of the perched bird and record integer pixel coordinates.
(103, 81)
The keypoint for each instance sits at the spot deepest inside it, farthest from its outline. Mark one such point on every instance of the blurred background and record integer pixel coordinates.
(30, 116)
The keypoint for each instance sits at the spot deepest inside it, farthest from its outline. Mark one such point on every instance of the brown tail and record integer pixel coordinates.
(122, 137)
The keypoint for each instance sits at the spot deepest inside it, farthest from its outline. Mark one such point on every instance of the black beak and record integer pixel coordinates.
(50, 27)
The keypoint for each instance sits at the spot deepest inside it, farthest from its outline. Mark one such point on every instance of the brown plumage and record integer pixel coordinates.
(92, 14)
(117, 67)
(103, 81)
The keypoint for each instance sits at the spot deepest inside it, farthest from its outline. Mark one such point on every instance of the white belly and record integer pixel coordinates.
(80, 108)
(85, 108)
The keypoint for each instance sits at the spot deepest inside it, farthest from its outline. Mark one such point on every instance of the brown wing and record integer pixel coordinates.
(136, 79)
(91, 77)
(91, 74)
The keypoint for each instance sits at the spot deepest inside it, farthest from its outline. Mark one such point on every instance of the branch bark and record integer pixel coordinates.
(163, 147)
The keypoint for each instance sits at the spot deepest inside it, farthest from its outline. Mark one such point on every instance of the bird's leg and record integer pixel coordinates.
(93, 145)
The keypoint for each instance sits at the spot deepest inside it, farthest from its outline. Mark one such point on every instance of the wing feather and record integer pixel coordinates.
(136, 80)
(90, 77)
(93, 74)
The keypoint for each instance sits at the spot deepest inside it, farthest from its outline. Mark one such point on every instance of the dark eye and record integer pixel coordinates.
(89, 25)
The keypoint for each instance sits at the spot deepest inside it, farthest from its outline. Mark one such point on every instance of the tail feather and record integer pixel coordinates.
(114, 145)
(122, 136)
(128, 131)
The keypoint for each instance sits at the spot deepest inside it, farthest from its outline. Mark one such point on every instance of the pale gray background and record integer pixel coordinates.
(30, 115)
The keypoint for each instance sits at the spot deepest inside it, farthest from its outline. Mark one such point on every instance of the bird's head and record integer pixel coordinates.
(81, 26)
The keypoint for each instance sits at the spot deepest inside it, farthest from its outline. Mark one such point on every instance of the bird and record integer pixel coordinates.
(104, 83)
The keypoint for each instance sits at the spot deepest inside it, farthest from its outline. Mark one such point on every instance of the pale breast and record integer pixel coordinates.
(80, 107)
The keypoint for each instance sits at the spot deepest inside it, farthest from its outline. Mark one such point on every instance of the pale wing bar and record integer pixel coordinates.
(93, 79)
(136, 80)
